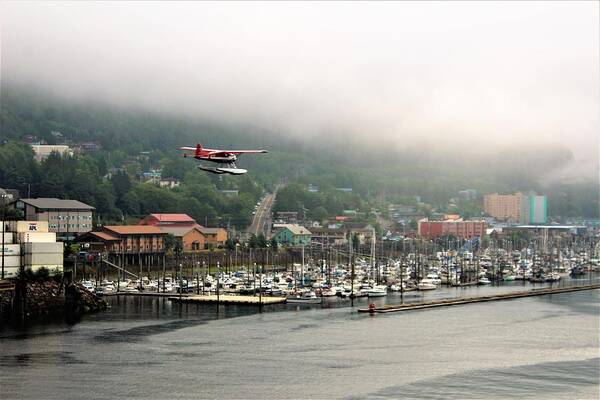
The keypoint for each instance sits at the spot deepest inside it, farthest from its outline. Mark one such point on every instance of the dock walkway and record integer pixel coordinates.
(470, 300)
(228, 299)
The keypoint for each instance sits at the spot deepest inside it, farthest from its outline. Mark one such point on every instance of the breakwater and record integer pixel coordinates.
(479, 299)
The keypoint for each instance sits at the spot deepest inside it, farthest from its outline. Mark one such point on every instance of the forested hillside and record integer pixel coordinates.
(136, 141)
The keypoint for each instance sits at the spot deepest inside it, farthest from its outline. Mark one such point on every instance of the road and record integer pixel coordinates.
(261, 223)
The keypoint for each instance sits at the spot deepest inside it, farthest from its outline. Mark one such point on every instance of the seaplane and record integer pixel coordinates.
(227, 158)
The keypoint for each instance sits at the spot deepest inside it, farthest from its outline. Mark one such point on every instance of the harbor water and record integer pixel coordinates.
(544, 347)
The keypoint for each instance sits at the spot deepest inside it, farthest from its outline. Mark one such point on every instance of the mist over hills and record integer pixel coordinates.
(371, 167)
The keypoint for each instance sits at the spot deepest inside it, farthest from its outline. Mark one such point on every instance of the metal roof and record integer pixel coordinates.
(53, 203)
(296, 229)
(104, 236)
(173, 218)
(134, 229)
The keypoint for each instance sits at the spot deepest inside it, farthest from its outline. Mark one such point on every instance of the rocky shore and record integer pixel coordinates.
(49, 298)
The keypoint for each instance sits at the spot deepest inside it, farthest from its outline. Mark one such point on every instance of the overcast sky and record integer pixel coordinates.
(481, 73)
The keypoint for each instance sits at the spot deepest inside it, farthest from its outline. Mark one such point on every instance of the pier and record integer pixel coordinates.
(470, 300)
(228, 299)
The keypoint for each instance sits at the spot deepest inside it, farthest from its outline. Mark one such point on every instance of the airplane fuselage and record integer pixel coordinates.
(222, 160)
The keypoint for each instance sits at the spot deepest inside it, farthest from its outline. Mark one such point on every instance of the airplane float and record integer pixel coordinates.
(226, 157)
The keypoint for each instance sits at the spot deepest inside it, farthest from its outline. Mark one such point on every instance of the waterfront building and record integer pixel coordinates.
(550, 229)
(191, 237)
(292, 235)
(128, 239)
(455, 227)
(67, 218)
(214, 236)
(189, 229)
(27, 245)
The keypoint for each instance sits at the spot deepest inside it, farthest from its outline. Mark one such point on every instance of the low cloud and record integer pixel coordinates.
(471, 75)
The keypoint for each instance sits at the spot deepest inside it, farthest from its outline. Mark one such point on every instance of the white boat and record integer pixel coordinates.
(377, 291)
(89, 286)
(509, 278)
(483, 281)
(434, 278)
(553, 277)
(306, 298)
(356, 293)
(108, 287)
(332, 291)
(397, 288)
(130, 288)
(426, 284)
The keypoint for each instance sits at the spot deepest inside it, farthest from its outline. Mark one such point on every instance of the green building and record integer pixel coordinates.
(534, 209)
(292, 235)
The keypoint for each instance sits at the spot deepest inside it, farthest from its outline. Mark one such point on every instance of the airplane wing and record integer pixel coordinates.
(220, 153)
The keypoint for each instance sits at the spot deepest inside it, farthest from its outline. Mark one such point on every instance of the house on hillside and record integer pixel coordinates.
(292, 235)
(168, 183)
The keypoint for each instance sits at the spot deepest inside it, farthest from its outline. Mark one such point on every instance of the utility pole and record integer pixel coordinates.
(3, 229)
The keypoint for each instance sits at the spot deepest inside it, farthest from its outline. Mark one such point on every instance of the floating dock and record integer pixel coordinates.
(229, 299)
(469, 300)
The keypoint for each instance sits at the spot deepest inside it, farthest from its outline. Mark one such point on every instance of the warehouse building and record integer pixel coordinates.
(67, 218)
